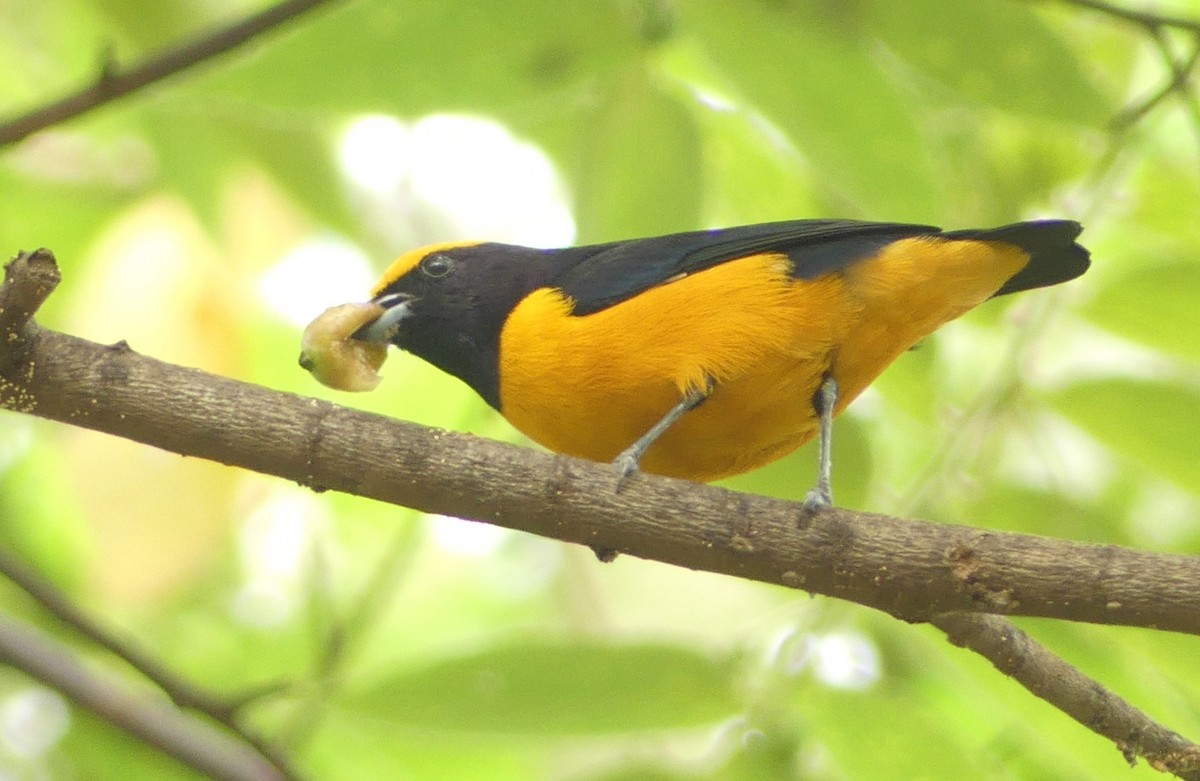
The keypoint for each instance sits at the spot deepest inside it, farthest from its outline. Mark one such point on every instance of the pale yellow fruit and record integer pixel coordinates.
(336, 360)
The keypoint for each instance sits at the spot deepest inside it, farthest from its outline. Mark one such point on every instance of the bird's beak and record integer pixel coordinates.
(397, 306)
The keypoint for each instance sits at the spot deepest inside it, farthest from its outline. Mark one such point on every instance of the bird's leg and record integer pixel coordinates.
(825, 399)
(631, 457)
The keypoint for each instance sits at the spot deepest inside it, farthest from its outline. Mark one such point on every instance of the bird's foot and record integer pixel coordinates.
(818, 499)
(626, 465)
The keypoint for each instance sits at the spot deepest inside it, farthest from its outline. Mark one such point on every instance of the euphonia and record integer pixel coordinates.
(703, 354)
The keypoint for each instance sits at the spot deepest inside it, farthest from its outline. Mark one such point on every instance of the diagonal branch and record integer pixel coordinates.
(1178, 83)
(114, 83)
(154, 721)
(914, 570)
(1019, 656)
(1179, 69)
(1152, 21)
(181, 692)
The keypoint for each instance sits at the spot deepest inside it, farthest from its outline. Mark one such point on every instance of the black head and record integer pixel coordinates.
(447, 304)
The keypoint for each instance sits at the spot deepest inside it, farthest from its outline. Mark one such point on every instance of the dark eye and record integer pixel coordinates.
(437, 265)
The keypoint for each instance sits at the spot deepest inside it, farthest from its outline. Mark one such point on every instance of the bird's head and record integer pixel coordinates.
(447, 304)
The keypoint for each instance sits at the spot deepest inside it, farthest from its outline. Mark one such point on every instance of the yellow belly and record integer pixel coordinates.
(589, 386)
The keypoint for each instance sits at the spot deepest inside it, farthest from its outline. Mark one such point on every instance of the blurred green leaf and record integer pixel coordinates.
(890, 720)
(751, 175)
(354, 749)
(909, 381)
(558, 688)
(48, 49)
(299, 156)
(45, 528)
(1162, 224)
(1156, 306)
(957, 699)
(814, 78)
(763, 752)
(525, 63)
(1022, 509)
(95, 750)
(67, 218)
(509, 58)
(641, 174)
(1154, 424)
(158, 24)
(193, 154)
(792, 477)
(639, 772)
(751, 179)
(996, 52)
(200, 142)
(419, 392)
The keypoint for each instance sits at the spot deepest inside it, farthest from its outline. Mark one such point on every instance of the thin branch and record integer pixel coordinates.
(914, 570)
(114, 83)
(181, 692)
(373, 599)
(350, 632)
(1178, 84)
(1018, 656)
(153, 721)
(982, 408)
(1180, 69)
(24, 294)
(961, 447)
(62, 608)
(1151, 21)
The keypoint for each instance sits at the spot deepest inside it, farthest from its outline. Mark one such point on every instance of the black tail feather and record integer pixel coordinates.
(1054, 256)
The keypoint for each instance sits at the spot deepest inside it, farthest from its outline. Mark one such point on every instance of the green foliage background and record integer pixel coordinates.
(1072, 412)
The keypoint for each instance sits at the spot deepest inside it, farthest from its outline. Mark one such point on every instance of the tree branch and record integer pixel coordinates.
(153, 721)
(1176, 84)
(914, 570)
(1151, 21)
(181, 692)
(1019, 656)
(911, 569)
(24, 293)
(1179, 69)
(114, 83)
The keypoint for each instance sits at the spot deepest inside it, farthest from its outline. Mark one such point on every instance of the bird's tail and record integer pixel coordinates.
(1054, 256)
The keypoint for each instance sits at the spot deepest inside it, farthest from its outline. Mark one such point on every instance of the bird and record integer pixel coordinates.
(704, 354)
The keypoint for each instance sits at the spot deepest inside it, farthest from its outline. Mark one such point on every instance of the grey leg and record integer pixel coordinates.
(631, 457)
(821, 496)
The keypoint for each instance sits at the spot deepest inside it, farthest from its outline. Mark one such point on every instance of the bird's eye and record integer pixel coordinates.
(436, 266)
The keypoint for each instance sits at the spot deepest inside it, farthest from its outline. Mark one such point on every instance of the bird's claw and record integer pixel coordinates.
(817, 500)
(626, 464)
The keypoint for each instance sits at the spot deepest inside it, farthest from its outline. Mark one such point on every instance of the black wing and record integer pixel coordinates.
(610, 273)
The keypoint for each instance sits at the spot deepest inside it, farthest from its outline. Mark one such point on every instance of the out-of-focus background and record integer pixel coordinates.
(208, 218)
